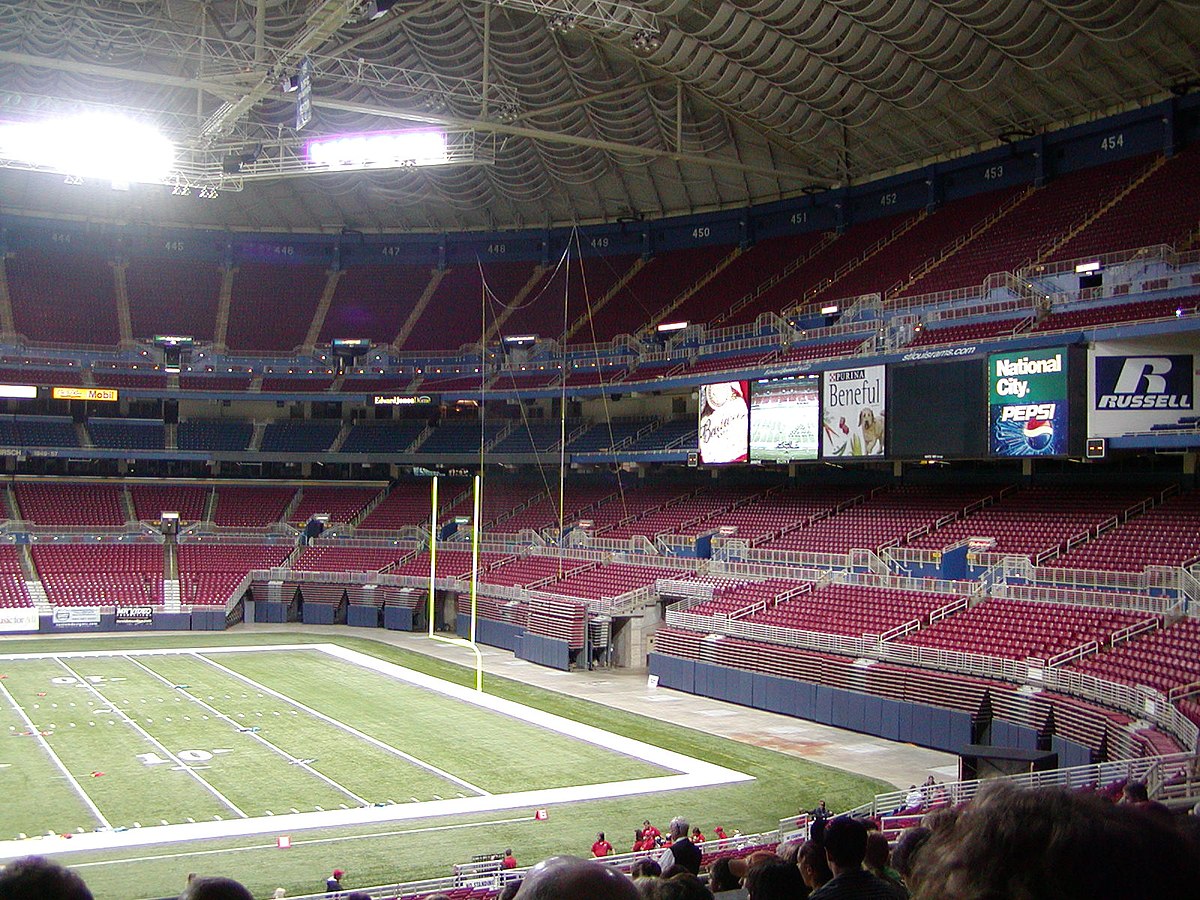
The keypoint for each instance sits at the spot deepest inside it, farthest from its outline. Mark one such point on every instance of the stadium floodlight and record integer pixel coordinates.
(379, 150)
(671, 327)
(90, 145)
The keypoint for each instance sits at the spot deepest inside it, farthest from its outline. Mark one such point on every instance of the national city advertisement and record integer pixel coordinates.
(852, 416)
(1028, 402)
(1143, 386)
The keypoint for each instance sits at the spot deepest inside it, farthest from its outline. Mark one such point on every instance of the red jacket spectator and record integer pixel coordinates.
(601, 847)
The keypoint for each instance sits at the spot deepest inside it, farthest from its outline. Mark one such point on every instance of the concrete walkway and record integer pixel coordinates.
(898, 764)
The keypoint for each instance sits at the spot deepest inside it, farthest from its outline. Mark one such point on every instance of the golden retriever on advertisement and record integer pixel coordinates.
(870, 423)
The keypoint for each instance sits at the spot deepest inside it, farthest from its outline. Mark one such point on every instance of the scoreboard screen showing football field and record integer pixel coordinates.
(1029, 403)
(785, 418)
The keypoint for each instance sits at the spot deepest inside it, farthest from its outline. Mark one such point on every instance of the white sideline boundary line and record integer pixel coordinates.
(692, 773)
(54, 757)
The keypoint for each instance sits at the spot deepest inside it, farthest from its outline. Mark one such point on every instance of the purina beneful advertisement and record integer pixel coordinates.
(852, 417)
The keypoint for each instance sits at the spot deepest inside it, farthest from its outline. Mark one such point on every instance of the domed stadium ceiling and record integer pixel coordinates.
(569, 111)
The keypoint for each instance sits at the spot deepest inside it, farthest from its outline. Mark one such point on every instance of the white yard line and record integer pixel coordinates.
(33, 729)
(294, 760)
(349, 729)
(149, 737)
(693, 773)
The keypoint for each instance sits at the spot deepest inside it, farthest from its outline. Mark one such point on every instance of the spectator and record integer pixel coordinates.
(814, 868)
(641, 842)
(601, 847)
(788, 851)
(682, 851)
(509, 861)
(721, 878)
(334, 882)
(845, 847)
(683, 886)
(645, 868)
(915, 799)
(510, 890)
(1048, 843)
(571, 878)
(37, 878)
(652, 833)
(908, 845)
(878, 859)
(774, 879)
(211, 887)
(741, 866)
(1135, 795)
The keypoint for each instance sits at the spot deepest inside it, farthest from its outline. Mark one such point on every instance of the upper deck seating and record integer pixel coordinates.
(70, 503)
(173, 295)
(63, 297)
(251, 506)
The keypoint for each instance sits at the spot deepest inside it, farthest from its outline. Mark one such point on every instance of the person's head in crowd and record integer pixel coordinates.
(509, 890)
(679, 828)
(720, 878)
(672, 870)
(571, 878)
(878, 853)
(1134, 792)
(813, 866)
(683, 886)
(741, 866)
(1053, 843)
(787, 850)
(941, 818)
(908, 845)
(645, 868)
(37, 878)
(215, 887)
(774, 879)
(845, 844)
(877, 860)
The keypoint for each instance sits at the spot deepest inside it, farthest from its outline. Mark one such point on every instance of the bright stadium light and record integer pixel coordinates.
(91, 145)
(379, 150)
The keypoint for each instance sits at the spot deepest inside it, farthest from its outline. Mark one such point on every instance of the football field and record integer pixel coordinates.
(273, 759)
(120, 748)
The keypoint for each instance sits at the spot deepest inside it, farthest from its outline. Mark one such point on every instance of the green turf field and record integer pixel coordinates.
(235, 737)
